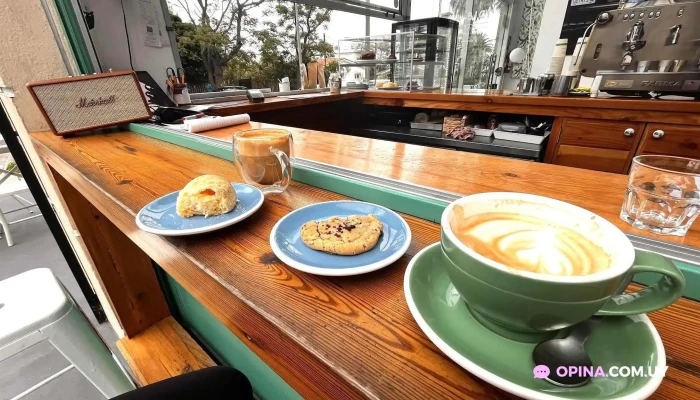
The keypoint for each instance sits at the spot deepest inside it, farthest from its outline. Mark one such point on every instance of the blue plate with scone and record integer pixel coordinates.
(340, 238)
(206, 204)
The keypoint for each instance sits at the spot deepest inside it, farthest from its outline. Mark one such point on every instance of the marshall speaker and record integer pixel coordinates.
(82, 103)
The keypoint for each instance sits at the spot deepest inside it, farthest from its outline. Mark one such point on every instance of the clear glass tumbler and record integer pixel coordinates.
(663, 194)
(262, 157)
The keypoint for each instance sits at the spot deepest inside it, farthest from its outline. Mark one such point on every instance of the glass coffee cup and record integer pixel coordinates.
(262, 157)
(663, 194)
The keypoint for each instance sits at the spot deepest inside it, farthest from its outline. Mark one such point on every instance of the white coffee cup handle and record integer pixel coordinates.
(286, 167)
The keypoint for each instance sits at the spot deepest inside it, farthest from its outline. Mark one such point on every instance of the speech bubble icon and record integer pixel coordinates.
(541, 371)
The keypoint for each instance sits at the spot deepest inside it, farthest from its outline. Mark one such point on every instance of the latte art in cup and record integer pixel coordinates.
(529, 243)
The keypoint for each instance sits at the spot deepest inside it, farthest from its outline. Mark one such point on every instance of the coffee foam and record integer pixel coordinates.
(532, 237)
(257, 143)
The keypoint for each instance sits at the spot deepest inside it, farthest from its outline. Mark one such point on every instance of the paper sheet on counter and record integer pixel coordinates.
(207, 124)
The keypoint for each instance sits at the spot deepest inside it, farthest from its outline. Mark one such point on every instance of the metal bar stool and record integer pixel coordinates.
(25, 204)
(35, 307)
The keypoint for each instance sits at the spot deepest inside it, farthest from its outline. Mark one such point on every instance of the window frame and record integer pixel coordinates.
(362, 7)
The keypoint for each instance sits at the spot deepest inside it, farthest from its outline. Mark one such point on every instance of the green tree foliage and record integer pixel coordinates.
(332, 66)
(479, 50)
(189, 50)
(271, 62)
(223, 43)
(312, 20)
(458, 8)
(222, 28)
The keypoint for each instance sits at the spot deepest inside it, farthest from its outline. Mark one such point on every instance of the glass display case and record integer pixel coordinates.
(406, 61)
(423, 62)
(436, 41)
(369, 62)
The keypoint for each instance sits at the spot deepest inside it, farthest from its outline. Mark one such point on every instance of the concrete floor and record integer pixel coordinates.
(35, 247)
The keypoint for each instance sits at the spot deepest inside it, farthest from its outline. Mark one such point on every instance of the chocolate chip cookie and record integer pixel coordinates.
(355, 234)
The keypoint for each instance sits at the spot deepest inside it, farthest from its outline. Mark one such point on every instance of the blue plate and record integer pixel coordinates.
(285, 240)
(159, 216)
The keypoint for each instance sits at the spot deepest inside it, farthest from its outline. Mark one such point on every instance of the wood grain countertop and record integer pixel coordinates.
(345, 337)
(623, 103)
(599, 192)
(618, 108)
(280, 102)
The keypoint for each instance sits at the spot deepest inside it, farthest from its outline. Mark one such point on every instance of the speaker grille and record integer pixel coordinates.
(82, 104)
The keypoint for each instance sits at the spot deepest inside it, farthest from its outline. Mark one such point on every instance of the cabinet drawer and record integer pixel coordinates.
(601, 134)
(671, 140)
(607, 160)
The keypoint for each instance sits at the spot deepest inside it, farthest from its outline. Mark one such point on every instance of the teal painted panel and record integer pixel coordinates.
(417, 206)
(420, 207)
(75, 36)
(267, 385)
(182, 141)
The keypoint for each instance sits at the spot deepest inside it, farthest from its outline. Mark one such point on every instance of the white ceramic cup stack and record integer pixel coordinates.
(557, 61)
(284, 84)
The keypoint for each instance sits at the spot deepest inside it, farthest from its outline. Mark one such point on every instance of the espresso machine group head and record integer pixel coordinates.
(646, 47)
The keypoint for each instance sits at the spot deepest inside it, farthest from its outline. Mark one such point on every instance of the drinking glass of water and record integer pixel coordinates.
(663, 194)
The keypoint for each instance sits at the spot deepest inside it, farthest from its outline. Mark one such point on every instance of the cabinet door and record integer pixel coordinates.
(671, 140)
(597, 144)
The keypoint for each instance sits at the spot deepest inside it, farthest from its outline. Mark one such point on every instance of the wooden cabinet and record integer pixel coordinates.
(597, 144)
(671, 140)
(610, 145)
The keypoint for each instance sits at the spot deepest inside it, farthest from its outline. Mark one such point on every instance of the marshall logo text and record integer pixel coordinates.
(100, 101)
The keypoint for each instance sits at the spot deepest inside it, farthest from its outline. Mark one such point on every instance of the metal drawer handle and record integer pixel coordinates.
(658, 134)
(629, 132)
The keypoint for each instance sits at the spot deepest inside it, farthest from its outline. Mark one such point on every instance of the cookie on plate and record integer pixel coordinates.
(206, 195)
(355, 234)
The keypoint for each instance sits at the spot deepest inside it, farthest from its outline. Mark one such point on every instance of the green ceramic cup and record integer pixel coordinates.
(528, 306)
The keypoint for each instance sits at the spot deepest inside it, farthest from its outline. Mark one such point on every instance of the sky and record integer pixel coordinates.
(345, 24)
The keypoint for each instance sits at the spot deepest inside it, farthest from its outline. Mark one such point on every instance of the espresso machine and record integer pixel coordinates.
(646, 48)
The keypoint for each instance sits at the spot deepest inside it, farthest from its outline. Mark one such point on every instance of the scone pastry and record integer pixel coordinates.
(206, 195)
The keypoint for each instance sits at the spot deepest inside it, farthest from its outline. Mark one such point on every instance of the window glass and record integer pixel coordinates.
(217, 55)
(480, 41)
(424, 9)
(393, 4)
(481, 45)
(246, 43)
(379, 26)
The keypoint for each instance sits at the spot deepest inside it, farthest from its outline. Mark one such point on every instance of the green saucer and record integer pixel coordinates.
(619, 341)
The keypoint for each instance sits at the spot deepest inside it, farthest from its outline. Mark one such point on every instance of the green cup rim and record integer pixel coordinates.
(625, 248)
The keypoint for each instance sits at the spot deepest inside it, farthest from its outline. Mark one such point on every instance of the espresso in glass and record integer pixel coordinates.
(262, 157)
(525, 242)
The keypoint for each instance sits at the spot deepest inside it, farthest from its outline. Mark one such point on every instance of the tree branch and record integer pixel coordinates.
(185, 6)
(204, 19)
(223, 13)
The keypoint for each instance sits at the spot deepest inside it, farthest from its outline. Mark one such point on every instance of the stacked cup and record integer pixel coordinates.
(557, 61)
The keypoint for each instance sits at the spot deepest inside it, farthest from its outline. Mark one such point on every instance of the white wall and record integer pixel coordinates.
(109, 38)
(550, 30)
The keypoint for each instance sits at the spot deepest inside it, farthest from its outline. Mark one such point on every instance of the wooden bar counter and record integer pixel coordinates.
(602, 134)
(345, 337)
